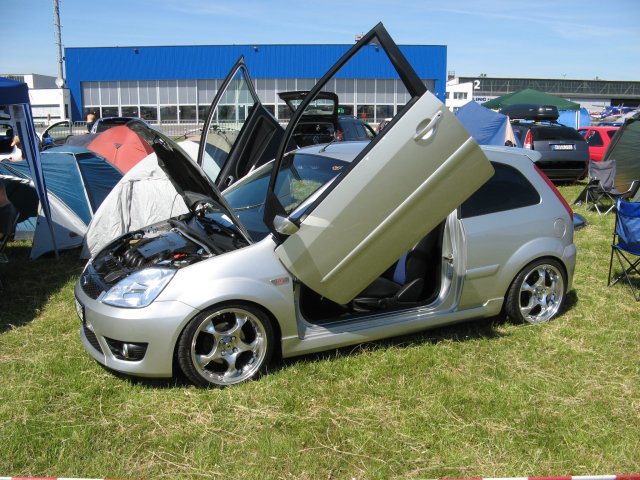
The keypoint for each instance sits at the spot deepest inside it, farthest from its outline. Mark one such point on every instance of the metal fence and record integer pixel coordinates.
(172, 130)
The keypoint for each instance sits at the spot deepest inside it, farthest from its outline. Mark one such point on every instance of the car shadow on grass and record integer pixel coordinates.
(486, 328)
(29, 284)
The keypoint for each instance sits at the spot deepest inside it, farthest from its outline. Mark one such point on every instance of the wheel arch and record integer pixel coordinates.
(275, 324)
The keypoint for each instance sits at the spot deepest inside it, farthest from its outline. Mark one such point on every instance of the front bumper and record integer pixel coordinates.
(156, 326)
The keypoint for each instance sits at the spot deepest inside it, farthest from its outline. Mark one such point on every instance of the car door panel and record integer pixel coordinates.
(407, 182)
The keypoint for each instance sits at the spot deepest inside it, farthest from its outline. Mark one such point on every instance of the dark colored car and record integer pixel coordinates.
(565, 153)
(321, 122)
(106, 123)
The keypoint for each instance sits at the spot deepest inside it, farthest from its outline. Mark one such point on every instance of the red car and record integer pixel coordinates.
(598, 139)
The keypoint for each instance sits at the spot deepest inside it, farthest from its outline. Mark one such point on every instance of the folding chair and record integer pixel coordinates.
(626, 245)
(600, 192)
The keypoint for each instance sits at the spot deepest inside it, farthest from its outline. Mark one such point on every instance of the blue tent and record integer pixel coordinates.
(79, 180)
(486, 126)
(575, 118)
(15, 97)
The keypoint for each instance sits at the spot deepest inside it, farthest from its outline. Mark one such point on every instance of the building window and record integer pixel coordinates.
(383, 111)
(169, 113)
(206, 91)
(366, 113)
(110, 112)
(345, 88)
(149, 113)
(148, 92)
(203, 112)
(130, 112)
(188, 113)
(129, 93)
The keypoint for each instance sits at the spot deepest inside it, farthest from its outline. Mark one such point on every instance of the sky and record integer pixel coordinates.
(572, 39)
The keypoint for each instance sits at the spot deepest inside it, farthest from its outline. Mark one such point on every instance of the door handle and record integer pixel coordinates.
(427, 131)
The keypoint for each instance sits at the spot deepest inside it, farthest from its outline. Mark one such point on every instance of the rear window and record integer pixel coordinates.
(508, 189)
(553, 132)
(611, 133)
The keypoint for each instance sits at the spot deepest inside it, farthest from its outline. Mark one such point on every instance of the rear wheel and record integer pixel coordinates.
(537, 293)
(226, 345)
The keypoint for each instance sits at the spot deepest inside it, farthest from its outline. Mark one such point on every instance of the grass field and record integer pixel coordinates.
(482, 399)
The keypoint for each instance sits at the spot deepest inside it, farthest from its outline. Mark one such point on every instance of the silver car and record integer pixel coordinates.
(324, 246)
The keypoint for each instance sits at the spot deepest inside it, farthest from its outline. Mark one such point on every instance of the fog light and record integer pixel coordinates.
(130, 351)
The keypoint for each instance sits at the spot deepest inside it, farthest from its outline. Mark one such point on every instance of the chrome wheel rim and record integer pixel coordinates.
(541, 293)
(229, 346)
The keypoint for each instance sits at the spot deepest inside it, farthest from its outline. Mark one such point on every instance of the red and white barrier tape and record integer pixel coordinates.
(579, 477)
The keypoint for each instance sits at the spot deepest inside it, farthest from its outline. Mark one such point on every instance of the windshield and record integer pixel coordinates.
(300, 176)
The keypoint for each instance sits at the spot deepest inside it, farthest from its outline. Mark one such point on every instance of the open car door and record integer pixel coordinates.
(402, 184)
(239, 133)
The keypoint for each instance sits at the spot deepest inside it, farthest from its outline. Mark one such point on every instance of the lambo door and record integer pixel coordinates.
(239, 133)
(402, 184)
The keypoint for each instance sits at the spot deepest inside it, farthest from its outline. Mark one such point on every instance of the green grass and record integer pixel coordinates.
(486, 398)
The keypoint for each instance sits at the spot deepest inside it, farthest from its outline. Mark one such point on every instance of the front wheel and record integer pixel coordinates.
(226, 345)
(537, 293)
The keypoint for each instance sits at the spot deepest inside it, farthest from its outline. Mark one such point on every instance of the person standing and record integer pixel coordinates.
(91, 119)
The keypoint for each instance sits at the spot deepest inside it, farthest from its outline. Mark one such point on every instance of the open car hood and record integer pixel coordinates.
(187, 177)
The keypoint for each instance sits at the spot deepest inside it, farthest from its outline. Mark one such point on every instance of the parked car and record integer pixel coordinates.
(102, 124)
(327, 245)
(564, 152)
(321, 121)
(598, 138)
(56, 134)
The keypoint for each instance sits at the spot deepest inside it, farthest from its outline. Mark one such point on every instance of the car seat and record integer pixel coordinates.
(405, 281)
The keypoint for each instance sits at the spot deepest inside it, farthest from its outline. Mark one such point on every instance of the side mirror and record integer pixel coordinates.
(284, 225)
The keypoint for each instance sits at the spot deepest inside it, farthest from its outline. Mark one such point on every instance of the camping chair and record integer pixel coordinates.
(600, 191)
(6, 239)
(626, 244)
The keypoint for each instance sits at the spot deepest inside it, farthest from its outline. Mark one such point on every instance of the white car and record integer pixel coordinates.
(327, 245)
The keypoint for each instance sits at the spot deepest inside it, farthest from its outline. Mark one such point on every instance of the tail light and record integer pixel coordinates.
(555, 190)
(528, 141)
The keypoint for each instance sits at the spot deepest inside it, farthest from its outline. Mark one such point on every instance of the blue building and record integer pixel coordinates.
(176, 84)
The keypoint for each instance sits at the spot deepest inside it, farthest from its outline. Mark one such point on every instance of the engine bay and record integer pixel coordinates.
(175, 243)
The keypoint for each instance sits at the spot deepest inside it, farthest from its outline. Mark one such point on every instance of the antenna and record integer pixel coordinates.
(58, 39)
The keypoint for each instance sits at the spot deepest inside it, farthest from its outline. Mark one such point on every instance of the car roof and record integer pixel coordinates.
(343, 150)
(604, 128)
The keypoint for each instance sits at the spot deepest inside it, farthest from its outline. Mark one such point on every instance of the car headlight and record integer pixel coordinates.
(139, 289)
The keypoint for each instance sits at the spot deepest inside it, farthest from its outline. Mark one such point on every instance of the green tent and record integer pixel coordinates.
(531, 96)
(625, 150)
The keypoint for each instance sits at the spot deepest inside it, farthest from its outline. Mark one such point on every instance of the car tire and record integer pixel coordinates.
(537, 293)
(226, 345)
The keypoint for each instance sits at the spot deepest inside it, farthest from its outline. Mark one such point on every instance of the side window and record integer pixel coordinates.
(506, 190)
(594, 139)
